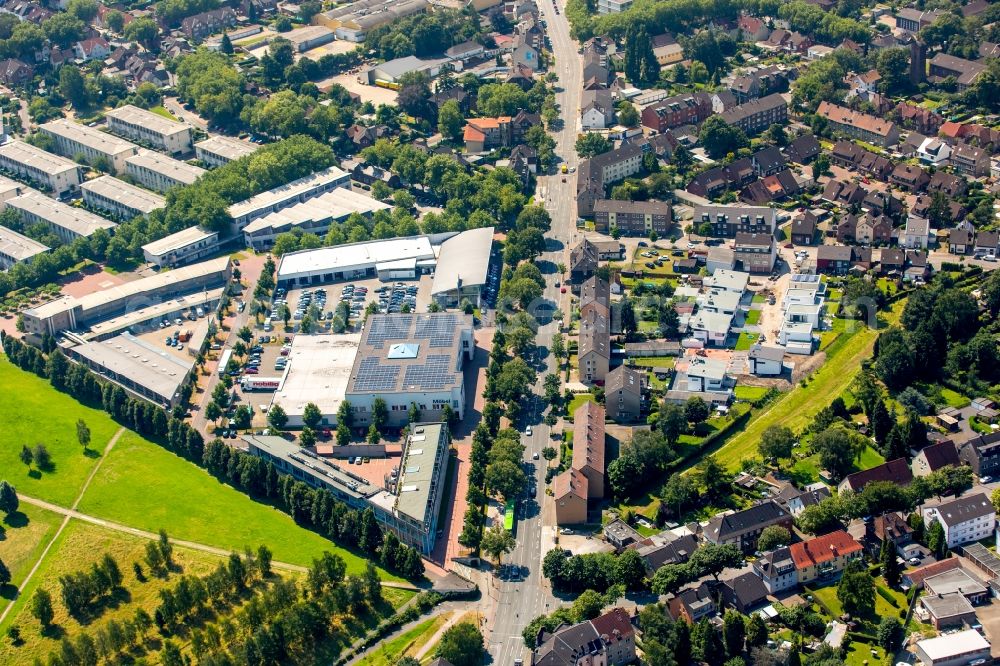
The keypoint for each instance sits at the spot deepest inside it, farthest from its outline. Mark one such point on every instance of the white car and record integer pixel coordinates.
(534, 456)
(565, 530)
(985, 479)
(527, 431)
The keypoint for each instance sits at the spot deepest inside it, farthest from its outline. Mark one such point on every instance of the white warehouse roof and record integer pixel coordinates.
(352, 256)
(464, 257)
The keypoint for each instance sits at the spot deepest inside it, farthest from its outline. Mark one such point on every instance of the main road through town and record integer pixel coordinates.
(524, 596)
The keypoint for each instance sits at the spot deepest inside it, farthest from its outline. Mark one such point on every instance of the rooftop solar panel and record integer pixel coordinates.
(440, 330)
(388, 328)
(436, 373)
(374, 377)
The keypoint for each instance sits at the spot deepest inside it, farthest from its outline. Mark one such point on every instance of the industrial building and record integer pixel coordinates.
(315, 215)
(459, 263)
(181, 248)
(145, 126)
(287, 195)
(407, 505)
(131, 302)
(319, 369)
(352, 22)
(121, 199)
(71, 139)
(391, 71)
(308, 37)
(462, 268)
(218, 150)
(57, 174)
(16, 248)
(141, 368)
(159, 172)
(67, 222)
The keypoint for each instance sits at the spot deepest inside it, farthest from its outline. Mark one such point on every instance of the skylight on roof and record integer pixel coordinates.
(402, 350)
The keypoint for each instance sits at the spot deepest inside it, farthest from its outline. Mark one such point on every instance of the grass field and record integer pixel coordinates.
(797, 408)
(749, 393)
(25, 535)
(577, 401)
(745, 341)
(162, 111)
(35, 413)
(654, 361)
(753, 317)
(390, 652)
(77, 547)
(192, 505)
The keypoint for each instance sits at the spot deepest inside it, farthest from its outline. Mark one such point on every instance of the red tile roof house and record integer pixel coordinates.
(935, 456)
(895, 471)
(824, 557)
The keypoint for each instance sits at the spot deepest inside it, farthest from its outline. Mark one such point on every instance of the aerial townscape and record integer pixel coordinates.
(500, 332)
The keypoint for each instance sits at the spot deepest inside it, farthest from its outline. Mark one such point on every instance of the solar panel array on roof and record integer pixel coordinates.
(373, 376)
(388, 328)
(440, 331)
(436, 373)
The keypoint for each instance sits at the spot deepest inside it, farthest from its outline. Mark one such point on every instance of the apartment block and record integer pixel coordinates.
(121, 199)
(727, 221)
(147, 127)
(74, 140)
(863, 126)
(757, 115)
(632, 218)
(16, 248)
(159, 172)
(67, 222)
(218, 150)
(52, 172)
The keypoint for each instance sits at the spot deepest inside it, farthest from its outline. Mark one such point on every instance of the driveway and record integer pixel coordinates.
(989, 617)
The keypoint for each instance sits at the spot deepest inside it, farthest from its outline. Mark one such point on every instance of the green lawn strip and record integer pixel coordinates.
(749, 393)
(797, 408)
(161, 111)
(389, 652)
(579, 399)
(746, 341)
(954, 398)
(80, 545)
(759, 298)
(869, 458)
(654, 361)
(143, 485)
(35, 413)
(753, 317)
(397, 596)
(25, 535)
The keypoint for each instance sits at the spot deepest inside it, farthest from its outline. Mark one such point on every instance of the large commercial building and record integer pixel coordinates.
(287, 195)
(459, 263)
(462, 268)
(407, 505)
(352, 22)
(16, 248)
(57, 174)
(218, 150)
(159, 172)
(143, 369)
(965, 647)
(151, 128)
(315, 215)
(72, 139)
(181, 248)
(121, 199)
(133, 302)
(67, 222)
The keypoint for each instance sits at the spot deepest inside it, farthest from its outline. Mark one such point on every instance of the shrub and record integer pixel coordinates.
(884, 593)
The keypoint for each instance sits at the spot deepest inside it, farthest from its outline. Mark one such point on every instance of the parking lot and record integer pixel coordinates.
(177, 336)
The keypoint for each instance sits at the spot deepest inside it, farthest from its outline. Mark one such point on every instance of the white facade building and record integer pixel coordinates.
(141, 125)
(182, 247)
(58, 174)
(287, 195)
(66, 222)
(218, 150)
(72, 139)
(965, 519)
(16, 248)
(121, 199)
(159, 172)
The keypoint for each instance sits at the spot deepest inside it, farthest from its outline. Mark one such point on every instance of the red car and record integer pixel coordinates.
(251, 371)
(327, 433)
(563, 290)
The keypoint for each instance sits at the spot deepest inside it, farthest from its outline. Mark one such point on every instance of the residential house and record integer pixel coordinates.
(948, 184)
(934, 152)
(757, 115)
(845, 194)
(862, 126)
(202, 25)
(862, 85)
(483, 134)
(796, 501)
(768, 161)
(802, 149)
(595, 296)
(609, 250)
(677, 111)
(933, 457)
(766, 360)
(987, 243)
(949, 610)
(742, 528)
(728, 221)
(852, 156)
(632, 218)
(833, 259)
(866, 229)
(569, 489)
(14, 72)
(758, 83)
(620, 534)
(890, 526)
(523, 161)
(882, 203)
(965, 519)
(588, 446)
(982, 453)
(824, 557)
(624, 390)
(753, 28)
(582, 261)
(917, 266)
(608, 640)
(776, 570)
(910, 178)
(744, 592)
(965, 72)
(892, 260)
(456, 94)
(693, 602)
(918, 118)
(894, 471)
(712, 328)
(962, 239)
(912, 20)
(666, 50)
(92, 48)
(792, 42)
(602, 170)
(364, 137)
(970, 160)
(771, 188)
(597, 110)
(715, 181)
(756, 251)
(594, 354)
(803, 230)
(706, 375)
(916, 234)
